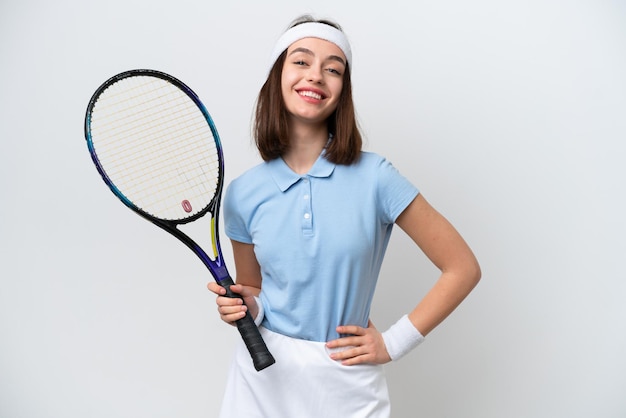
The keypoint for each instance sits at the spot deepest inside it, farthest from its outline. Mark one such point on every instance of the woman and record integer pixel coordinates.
(309, 228)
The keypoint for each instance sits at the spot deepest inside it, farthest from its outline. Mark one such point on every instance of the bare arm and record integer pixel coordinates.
(445, 247)
(246, 266)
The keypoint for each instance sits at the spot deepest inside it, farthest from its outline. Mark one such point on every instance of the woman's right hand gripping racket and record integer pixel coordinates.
(156, 147)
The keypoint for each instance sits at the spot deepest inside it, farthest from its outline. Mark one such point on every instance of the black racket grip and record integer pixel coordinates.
(261, 356)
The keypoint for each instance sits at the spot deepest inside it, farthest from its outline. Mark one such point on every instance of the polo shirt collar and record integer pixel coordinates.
(285, 177)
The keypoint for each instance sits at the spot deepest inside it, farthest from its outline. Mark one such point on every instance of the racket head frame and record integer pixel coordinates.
(216, 263)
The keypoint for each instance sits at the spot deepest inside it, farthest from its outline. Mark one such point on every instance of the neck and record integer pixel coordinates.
(305, 148)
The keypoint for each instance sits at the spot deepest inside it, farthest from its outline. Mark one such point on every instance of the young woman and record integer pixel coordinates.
(309, 228)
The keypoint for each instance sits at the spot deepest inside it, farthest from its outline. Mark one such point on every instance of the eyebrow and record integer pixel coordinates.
(309, 52)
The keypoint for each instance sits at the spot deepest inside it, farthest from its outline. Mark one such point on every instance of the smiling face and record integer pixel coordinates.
(312, 80)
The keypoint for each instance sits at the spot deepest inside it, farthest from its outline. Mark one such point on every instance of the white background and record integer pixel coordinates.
(508, 115)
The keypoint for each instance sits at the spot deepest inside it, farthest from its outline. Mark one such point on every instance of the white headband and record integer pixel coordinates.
(311, 30)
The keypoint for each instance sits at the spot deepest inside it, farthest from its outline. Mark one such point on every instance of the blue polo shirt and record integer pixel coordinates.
(319, 238)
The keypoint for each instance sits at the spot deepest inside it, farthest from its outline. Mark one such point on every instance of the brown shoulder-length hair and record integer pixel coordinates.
(271, 123)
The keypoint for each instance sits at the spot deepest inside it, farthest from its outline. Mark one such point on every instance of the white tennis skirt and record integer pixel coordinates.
(304, 382)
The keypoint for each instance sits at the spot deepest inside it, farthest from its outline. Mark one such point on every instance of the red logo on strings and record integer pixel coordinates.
(186, 206)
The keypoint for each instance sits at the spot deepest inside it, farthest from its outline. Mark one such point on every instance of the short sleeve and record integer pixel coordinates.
(235, 221)
(395, 192)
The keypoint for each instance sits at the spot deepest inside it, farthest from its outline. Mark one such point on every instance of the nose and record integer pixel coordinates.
(315, 74)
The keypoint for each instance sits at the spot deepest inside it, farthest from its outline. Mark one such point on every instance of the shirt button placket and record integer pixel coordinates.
(307, 212)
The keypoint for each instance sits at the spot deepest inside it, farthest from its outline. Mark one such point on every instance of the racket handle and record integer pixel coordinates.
(261, 356)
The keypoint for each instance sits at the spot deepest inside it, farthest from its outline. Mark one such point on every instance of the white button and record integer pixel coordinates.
(307, 215)
(306, 197)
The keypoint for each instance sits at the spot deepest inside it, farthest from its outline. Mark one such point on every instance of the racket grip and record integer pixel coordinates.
(261, 356)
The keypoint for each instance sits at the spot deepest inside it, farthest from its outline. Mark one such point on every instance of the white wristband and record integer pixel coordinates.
(261, 314)
(401, 338)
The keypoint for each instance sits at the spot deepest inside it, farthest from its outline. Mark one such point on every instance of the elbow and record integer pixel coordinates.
(474, 274)
(466, 275)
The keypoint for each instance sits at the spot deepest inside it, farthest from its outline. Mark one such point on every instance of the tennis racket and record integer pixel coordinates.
(156, 147)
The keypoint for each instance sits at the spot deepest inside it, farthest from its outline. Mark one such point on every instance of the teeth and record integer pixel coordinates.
(311, 94)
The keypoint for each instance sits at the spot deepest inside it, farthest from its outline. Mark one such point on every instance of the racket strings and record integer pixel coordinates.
(156, 147)
(155, 161)
(125, 120)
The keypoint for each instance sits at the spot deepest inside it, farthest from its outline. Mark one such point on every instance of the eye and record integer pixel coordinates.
(333, 71)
